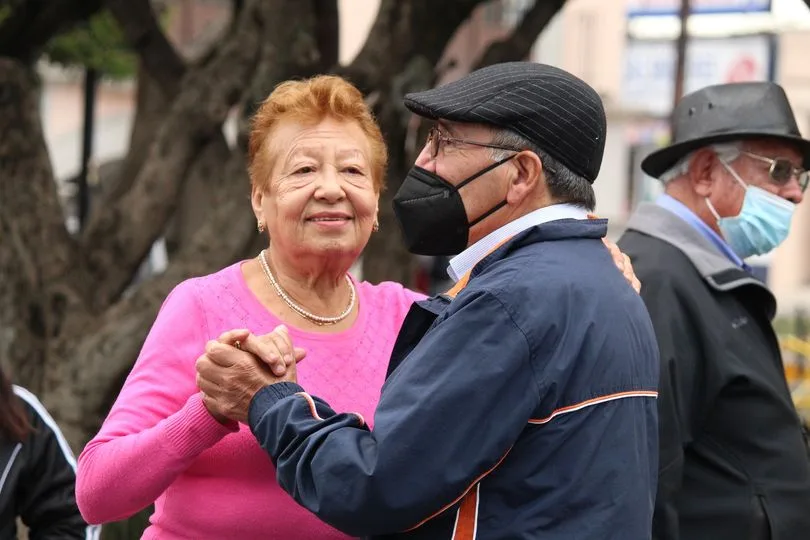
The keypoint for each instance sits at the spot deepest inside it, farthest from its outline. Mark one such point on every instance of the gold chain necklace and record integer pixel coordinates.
(317, 319)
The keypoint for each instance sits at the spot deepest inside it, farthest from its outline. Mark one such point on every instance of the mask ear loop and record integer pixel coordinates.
(736, 177)
(484, 171)
(494, 209)
(733, 173)
(498, 206)
(712, 209)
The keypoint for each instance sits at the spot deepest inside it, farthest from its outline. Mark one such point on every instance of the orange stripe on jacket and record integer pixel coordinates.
(314, 411)
(460, 497)
(467, 516)
(594, 401)
(311, 403)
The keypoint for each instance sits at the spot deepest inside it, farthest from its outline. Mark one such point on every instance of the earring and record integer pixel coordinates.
(376, 226)
(260, 226)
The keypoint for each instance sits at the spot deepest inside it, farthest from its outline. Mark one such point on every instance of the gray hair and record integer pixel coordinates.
(727, 152)
(564, 185)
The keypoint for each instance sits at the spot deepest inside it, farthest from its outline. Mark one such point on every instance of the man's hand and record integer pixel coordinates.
(239, 364)
(623, 263)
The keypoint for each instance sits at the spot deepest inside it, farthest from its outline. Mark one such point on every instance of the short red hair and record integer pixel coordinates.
(310, 101)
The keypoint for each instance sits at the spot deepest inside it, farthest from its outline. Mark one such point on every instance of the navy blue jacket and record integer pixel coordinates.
(522, 408)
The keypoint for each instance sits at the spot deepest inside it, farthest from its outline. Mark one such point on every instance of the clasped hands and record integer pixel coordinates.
(239, 364)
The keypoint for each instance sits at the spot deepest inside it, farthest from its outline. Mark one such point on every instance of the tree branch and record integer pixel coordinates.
(142, 30)
(204, 181)
(117, 336)
(518, 45)
(27, 187)
(119, 236)
(405, 43)
(30, 24)
(289, 50)
(327, 32)
(36, 252)
(160, 72)
(403, 31)
(151, 109)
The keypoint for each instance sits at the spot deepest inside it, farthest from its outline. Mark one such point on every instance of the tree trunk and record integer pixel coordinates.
(71, 323)
(36, 252)
(71, 320)
(151, 108)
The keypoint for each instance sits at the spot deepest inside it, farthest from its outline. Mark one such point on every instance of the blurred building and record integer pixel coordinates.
(625, 49)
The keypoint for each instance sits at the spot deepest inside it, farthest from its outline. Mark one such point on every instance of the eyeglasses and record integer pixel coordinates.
(436, 138)
(781, 170)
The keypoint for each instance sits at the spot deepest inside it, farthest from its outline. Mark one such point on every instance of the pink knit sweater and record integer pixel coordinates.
(159, 443)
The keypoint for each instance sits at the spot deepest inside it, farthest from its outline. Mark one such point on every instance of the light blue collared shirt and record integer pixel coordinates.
(464, 261)
(682, 211)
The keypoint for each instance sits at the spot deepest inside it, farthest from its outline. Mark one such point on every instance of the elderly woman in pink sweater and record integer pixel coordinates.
(317, 163)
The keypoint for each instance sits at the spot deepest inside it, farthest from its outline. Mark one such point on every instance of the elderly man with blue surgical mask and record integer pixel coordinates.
(733, 456)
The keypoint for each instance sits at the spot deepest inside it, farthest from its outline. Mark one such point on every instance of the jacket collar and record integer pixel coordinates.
(715, 268)
(561, 229)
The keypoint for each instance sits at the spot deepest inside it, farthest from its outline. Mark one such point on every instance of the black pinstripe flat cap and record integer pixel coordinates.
(553, 109)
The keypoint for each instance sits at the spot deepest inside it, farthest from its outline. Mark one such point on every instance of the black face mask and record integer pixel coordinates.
(431, 213)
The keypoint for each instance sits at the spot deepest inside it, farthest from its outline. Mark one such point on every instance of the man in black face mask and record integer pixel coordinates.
(522, 403)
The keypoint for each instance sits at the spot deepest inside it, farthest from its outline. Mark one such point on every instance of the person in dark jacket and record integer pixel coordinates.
(522, 403)
(37, 471)
(733, 460)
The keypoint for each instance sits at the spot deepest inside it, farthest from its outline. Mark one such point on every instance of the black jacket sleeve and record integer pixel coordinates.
(46, 500)
(681, 395)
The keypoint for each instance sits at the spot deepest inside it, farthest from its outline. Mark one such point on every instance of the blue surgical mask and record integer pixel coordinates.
(762, 224)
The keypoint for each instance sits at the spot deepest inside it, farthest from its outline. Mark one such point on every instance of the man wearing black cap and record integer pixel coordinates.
(733, 460)
(521, 404)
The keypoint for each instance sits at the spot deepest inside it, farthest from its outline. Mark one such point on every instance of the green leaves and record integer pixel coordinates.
(5, 12)
(97, 43)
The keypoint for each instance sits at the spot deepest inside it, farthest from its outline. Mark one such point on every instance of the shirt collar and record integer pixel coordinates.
(685, 213)
(464, 261)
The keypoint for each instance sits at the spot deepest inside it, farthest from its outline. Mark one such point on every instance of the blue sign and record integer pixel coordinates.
(648, 8)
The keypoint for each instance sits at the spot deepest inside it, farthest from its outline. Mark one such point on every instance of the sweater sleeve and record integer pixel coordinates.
(158, 425)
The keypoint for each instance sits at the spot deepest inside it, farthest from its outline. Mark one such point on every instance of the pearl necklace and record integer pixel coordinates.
(298, 309)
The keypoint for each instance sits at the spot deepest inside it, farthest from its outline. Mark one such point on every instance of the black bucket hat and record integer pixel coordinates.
(728, 112)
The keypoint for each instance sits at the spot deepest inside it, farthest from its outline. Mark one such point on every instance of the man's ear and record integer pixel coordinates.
(700, 171)
(526, 179)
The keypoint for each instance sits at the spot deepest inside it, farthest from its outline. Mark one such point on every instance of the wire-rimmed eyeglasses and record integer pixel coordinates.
(781, 170)
(436, 138)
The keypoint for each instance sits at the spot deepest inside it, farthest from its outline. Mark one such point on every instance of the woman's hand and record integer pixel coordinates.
(239, 364)
(275, 349)
(623, 263)
(621, 260)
